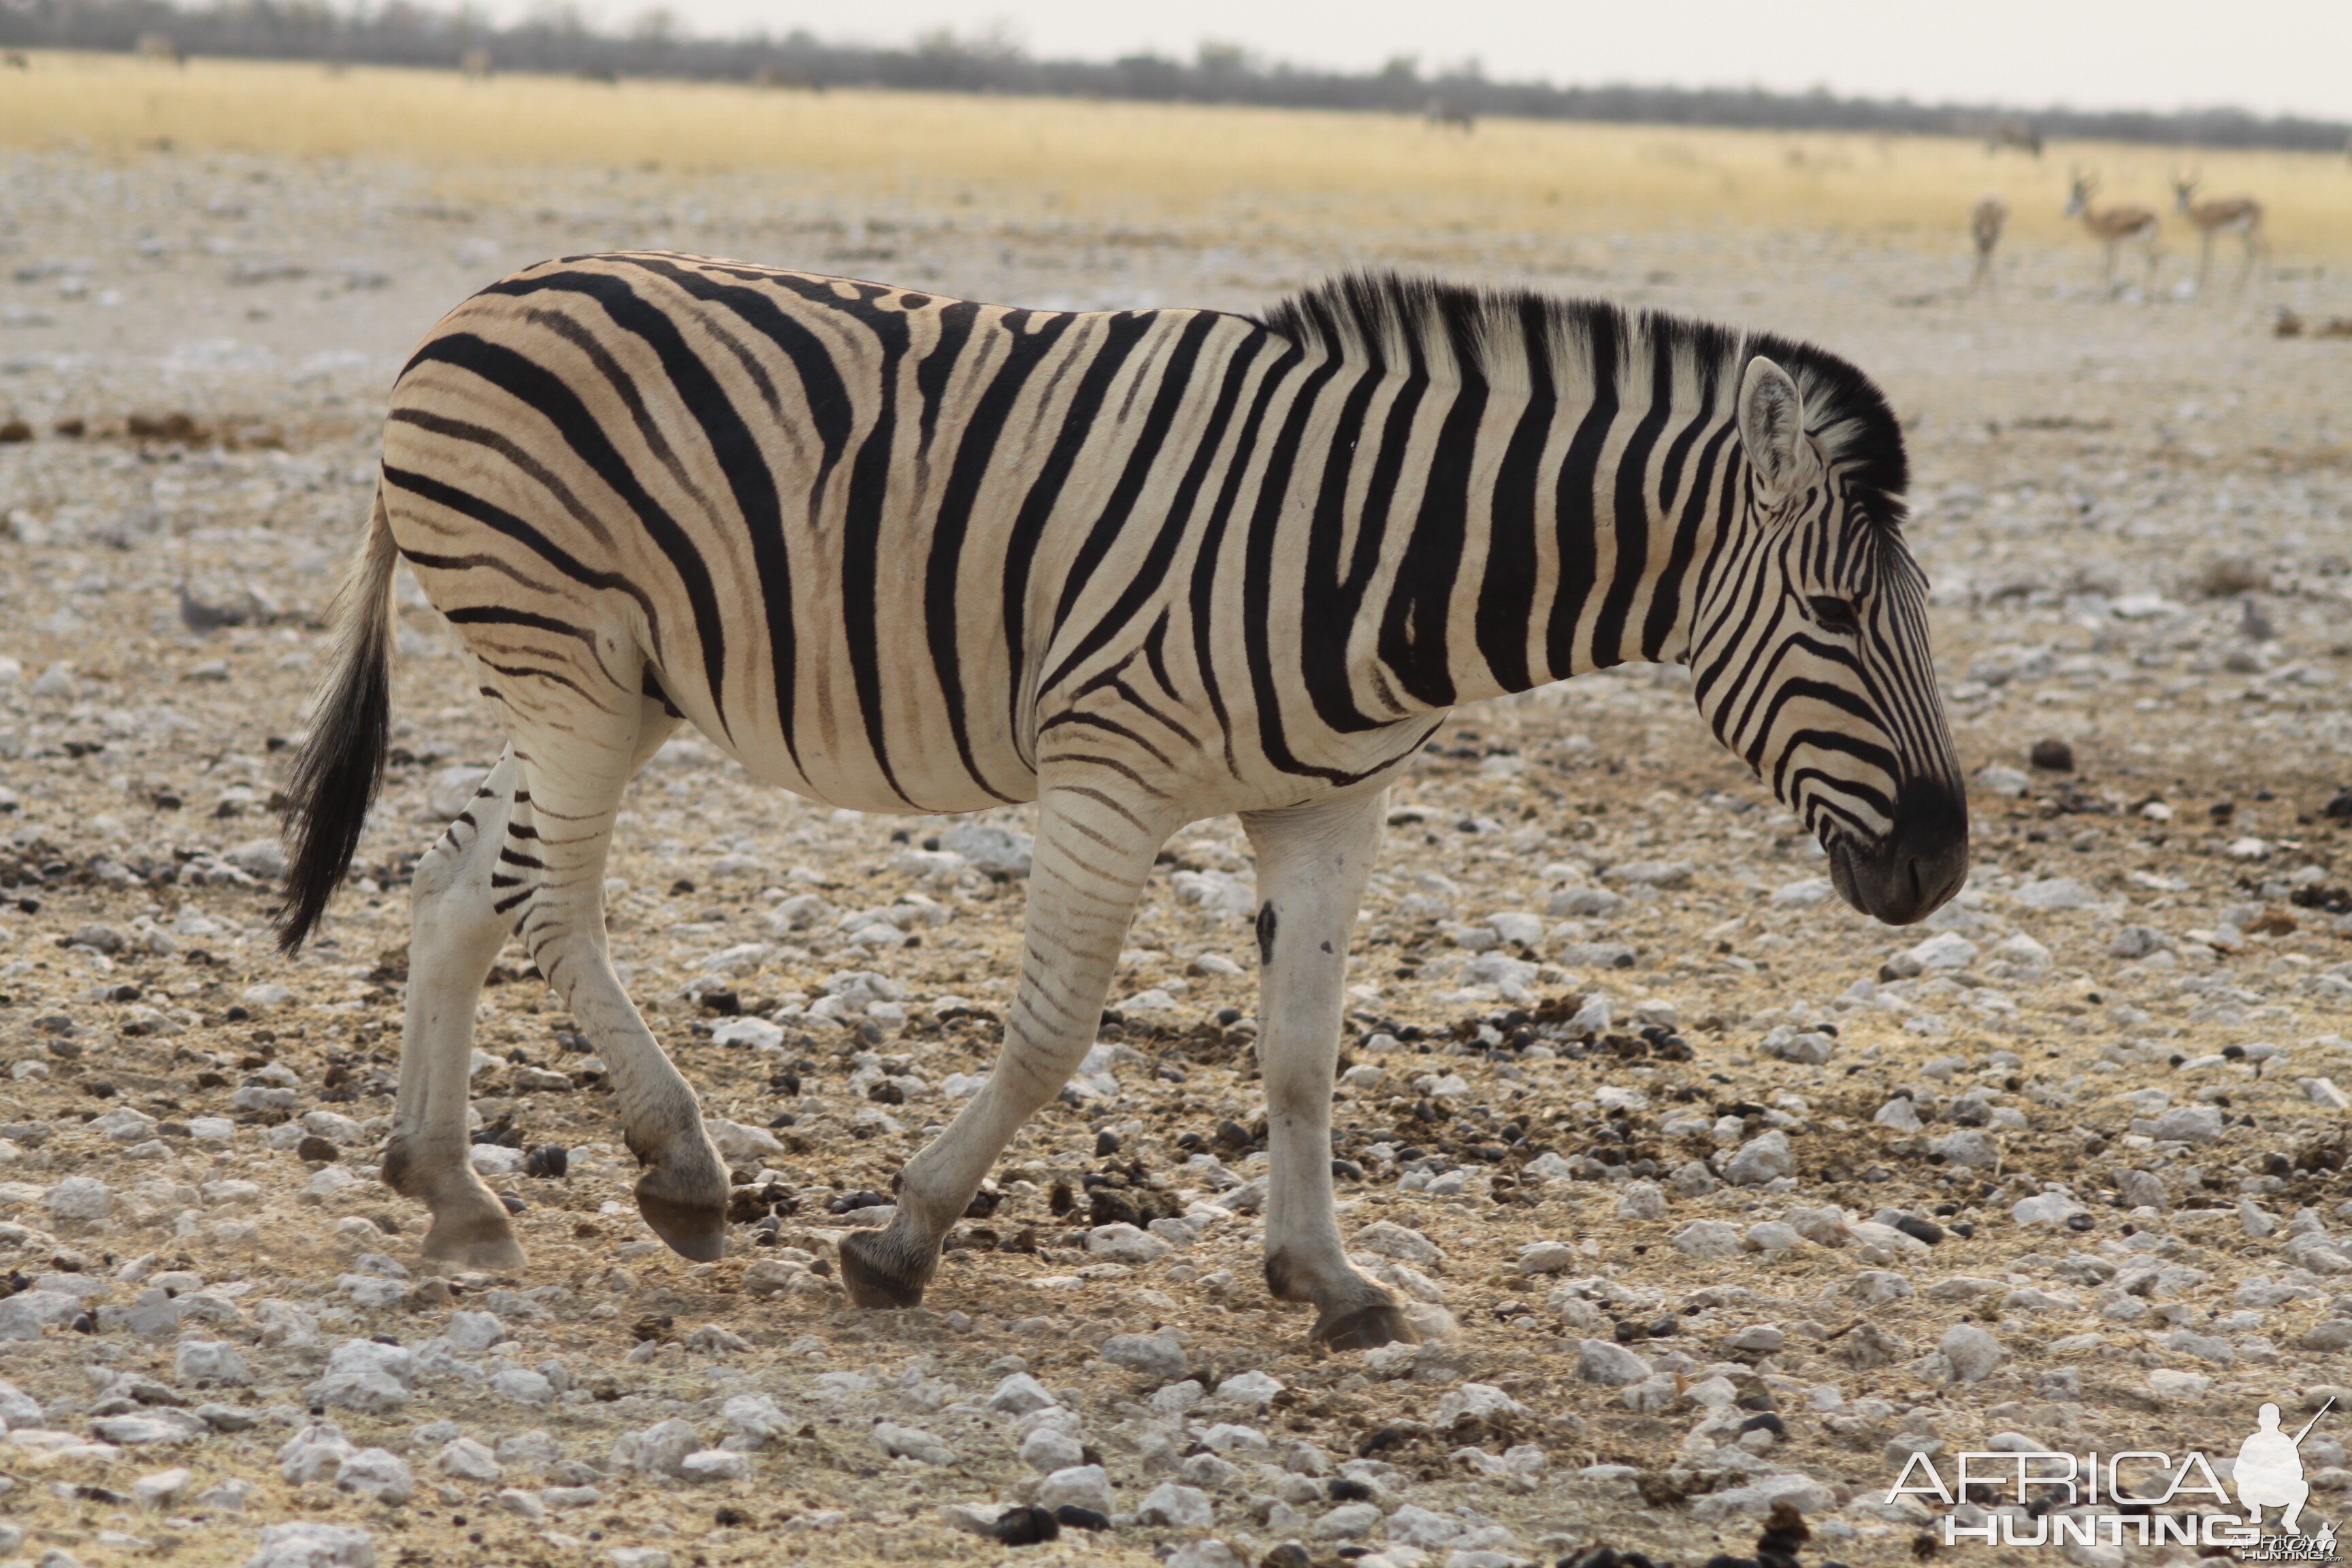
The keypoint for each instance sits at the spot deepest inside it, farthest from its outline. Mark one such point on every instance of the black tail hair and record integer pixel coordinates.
(341, 765)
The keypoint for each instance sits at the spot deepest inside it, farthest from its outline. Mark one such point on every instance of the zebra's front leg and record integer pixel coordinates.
(1088, 868)
(1312, 864)
(455, 935)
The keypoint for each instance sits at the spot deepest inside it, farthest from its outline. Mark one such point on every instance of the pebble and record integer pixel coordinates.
(2045, 1208)
(1710, 1238)
(1124, 1243)
(1399, 1242)
(1077, 1486)
(2189, 1124)
(1611, 1364)
(160, 1489)
(1350, 1522)
(1177, 1508)
(202, 1361)
(1971, 1355)
(467, 1460)
(1966, 1148)
(1048, 1449)
(1642, 1200)
(367, 1377)
(1019, 1394)
(307, 1543)
(154, 1426)
(1539, 1257)
(1806, 1046)
(1155, 1354)
(899, 1442)
(657, 1450)
(1254, 1390)
(78, 1200)
(313, 1453)
(375, 1473)
(1764, 1158)
(716, 1465)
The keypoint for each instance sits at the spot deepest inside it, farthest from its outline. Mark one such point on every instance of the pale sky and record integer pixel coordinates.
(2269, 56)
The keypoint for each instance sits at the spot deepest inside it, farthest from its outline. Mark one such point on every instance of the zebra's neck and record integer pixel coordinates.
(1559, 499)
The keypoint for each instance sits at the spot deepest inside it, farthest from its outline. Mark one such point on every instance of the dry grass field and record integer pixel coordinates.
(1109, 162)
(2066, 1168)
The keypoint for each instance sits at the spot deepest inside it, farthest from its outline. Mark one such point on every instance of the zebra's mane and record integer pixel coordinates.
(1453, 334)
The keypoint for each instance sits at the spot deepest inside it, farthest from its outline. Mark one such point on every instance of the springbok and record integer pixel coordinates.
(1444, 114)
(1985, 223)
(2017, 134)
(2112, 226)
(2240, 215)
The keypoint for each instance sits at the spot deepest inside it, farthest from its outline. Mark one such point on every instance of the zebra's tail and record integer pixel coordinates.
(341, 763)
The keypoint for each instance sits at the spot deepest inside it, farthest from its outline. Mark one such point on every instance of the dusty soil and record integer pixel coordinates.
(2133, 1022)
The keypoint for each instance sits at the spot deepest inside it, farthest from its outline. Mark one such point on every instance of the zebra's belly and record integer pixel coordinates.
(829, 758)
(924, 784)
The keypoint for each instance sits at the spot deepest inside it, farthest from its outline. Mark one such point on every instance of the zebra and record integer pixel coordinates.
(902, 552)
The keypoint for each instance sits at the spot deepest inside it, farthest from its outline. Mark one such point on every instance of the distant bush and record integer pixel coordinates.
(400, 33)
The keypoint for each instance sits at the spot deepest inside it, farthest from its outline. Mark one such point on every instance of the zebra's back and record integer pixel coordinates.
(843, 527)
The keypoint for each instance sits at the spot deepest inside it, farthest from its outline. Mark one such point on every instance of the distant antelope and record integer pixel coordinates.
(2017, 134)
(159, 47)
(2112, 226)
(2240, 215)
(476, 64)
(1443, 113)
(1985, 222)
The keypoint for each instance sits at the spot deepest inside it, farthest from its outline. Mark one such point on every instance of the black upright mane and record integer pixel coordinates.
(1454, 333)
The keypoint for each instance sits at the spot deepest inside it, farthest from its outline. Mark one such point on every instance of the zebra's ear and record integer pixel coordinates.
(1771, 424)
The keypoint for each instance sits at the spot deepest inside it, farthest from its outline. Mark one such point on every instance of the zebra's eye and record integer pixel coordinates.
(1834, 615)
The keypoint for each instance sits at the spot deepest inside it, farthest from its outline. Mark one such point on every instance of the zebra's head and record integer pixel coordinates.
(1809, 652)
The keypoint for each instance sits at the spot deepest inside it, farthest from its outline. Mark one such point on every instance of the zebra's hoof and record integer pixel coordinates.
(473, 1242)
(1366, 1328)
(873, 1278)
(696, 1231)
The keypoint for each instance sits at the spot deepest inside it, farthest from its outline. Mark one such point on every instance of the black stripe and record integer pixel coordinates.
(1415, 634)
(733, 445)
(1144, 585)
(1206, 556)
(1121, 332)
(938, 362)
(541, 389)
(501, 521)
(1175, 378)
(1665, 607)
(1507, 597)
(1333, 590)
(864, 516)
(1631, 518)
(501, 616)
(976, 450)
(824, 397)
(1575, 524)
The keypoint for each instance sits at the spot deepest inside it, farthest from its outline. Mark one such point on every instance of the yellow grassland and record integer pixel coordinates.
(1162, 162)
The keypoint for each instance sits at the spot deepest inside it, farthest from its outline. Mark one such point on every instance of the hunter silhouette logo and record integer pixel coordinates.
(2139, 1497)
(2270, 1470)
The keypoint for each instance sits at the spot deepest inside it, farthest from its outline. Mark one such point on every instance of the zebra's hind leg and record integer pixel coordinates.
(553, 877)
(455, 934)
(1312, 864)
(1091, 858)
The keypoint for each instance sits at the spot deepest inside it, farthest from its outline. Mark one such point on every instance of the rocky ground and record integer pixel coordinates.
(1732, 1197)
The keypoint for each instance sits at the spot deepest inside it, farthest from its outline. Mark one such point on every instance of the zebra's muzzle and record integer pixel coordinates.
(1910, 874)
